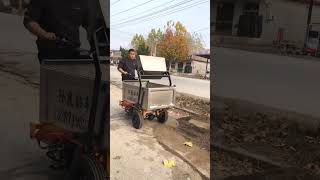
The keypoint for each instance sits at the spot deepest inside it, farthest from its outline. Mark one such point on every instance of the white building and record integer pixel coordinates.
(260, 21)
(115, 56)
(197, 64)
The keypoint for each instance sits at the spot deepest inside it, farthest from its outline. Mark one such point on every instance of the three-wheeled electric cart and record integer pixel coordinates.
(143, 98)
(74, 104)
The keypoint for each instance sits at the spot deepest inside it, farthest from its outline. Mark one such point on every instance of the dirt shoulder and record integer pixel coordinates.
(275, 139)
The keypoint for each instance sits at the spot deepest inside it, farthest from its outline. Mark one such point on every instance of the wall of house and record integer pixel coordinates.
(290, 16)
(199, 67)
(238, 11)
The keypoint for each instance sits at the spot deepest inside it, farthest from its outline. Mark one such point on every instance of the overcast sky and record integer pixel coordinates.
(140, 16)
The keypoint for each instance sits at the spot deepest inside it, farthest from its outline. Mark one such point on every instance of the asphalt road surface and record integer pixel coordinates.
(196, 87)
(282, 82)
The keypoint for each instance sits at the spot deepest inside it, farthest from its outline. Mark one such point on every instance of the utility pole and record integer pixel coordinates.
(155, 48)
(311, 2)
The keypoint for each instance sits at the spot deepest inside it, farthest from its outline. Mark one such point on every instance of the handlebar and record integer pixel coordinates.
(61, 41)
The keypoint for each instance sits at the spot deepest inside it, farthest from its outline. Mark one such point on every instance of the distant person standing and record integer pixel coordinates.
(128, 66)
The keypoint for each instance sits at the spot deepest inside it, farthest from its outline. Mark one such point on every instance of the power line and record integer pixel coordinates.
(165, 14)
(168, 13)
(156, 12)
(113, 29)
(131, 8)
(148, 10)
(151, 14)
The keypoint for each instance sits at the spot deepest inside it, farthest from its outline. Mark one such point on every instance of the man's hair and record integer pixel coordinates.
(131, 50)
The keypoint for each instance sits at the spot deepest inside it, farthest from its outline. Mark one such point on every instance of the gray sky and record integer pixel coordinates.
(140, 16)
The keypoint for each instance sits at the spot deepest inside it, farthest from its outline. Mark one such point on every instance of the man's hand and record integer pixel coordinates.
(50, 36)
(124, 72)
(36, 29)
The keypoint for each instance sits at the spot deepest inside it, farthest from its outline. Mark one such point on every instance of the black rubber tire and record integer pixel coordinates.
(137, 119)
(85, 167)
(163, 116)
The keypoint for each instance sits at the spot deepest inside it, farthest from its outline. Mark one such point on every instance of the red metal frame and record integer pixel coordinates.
(127, 104)
(49, 133)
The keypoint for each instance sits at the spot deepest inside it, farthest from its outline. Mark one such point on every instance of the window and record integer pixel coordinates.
(173, 65)
(188, 68)
(224, 18)
(180, 67)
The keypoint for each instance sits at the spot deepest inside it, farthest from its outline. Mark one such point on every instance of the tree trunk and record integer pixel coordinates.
(169, 65)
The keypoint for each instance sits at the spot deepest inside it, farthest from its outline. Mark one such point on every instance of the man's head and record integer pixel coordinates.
(132, 54)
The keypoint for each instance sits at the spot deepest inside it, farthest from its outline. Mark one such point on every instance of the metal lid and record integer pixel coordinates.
(152, 63)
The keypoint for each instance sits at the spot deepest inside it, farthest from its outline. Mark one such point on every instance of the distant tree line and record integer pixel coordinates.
(175, 43)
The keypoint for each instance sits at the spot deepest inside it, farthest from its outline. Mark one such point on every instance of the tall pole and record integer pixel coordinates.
(308, 23)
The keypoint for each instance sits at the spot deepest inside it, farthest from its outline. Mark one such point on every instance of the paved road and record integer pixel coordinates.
(282, 82)
(194, 87)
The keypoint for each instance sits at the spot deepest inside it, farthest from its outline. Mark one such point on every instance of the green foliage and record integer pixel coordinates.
(143, 49)
(137, 40)
(153, 39)
(124, 52)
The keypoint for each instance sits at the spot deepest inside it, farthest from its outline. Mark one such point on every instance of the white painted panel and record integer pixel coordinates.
(152, 63)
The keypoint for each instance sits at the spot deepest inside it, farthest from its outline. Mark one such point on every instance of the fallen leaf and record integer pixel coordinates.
(188, 143)
(169, 163)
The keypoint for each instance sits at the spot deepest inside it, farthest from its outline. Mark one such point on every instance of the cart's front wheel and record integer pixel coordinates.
(85, 167)
(137, 119)
(163, 116)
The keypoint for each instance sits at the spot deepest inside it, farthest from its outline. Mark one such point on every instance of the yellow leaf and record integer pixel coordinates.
(169, 163)
(189, 143)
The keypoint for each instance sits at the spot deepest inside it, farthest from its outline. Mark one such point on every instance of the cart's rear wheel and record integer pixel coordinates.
(163, 116)
(137, 119)
(85, 167)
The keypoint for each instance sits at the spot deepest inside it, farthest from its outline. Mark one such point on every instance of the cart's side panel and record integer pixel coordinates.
(159, 98)
(66, 99)
(130, 91)
(154, 96)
